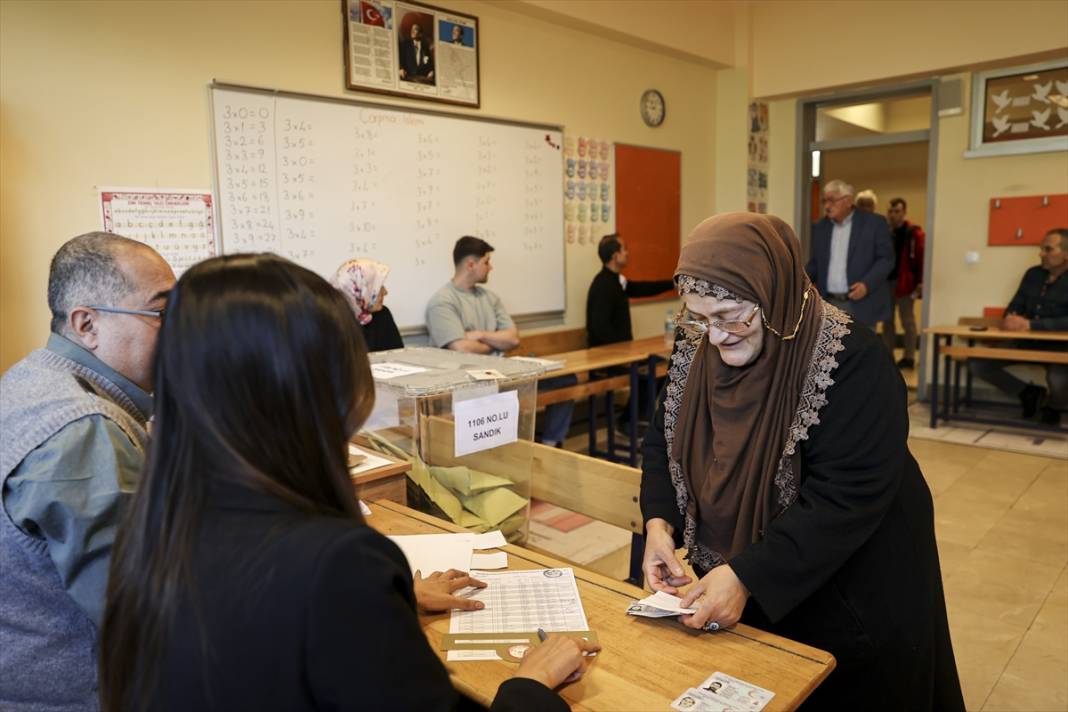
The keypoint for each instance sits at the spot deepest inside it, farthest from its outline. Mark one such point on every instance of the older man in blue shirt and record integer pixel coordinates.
(73, 417)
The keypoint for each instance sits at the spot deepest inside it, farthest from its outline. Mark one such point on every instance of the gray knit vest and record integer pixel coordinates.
(47, 643)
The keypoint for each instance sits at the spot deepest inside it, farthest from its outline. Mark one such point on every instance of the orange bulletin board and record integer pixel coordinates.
(648, 211)
(1026, 220)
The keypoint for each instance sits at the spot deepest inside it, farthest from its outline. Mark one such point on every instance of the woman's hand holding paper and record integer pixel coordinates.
(720, 598)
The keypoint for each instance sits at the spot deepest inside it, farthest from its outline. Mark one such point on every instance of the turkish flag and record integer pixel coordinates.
(370, 14)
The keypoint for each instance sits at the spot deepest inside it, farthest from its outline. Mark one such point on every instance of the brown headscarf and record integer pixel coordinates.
(733, 423)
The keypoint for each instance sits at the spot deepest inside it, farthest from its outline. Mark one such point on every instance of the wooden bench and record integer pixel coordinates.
(954, 356)
(550, 342)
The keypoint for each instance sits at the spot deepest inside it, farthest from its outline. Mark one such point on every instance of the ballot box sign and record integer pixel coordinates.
(487, 422)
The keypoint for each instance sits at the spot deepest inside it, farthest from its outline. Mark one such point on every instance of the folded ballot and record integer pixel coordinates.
(659, 605)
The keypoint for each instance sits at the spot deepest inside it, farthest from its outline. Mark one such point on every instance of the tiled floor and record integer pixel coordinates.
(1001, 522)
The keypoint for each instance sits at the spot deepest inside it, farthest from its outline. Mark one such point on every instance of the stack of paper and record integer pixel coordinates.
(521, 601)
(659, 605)
(428, 553)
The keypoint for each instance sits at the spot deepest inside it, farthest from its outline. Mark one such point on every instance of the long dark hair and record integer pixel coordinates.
(261, 377)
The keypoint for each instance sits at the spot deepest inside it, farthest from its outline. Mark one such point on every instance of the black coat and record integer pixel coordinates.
(299, 612)
(607, 308)
(381, 333)
(851, 566)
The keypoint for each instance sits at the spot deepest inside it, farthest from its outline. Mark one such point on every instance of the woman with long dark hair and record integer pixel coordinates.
(243, 576)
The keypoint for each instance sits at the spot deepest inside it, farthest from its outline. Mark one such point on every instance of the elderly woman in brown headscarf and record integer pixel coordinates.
(779, 460)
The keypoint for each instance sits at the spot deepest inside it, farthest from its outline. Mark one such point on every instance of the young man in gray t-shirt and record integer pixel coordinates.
(465, 316)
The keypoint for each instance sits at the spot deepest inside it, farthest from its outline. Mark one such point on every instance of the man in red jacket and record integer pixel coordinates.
(906, 280)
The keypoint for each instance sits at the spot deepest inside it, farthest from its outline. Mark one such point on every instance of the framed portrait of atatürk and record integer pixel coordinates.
(413, 50)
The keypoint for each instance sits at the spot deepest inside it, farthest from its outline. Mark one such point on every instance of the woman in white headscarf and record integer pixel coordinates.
(363, 282)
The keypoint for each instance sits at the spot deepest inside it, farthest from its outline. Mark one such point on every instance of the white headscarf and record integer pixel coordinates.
(361, 282)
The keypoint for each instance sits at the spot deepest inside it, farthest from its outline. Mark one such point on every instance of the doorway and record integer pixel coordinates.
(883, 140)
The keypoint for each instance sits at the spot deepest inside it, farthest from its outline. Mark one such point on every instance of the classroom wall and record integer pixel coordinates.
(668, 26)
(802, 47)
(115, 93)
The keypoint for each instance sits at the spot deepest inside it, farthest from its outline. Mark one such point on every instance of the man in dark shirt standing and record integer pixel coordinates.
(1040, 304)
(607, 308)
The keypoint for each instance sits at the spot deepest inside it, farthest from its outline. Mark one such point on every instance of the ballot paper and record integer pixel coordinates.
(428, 553)
(547, 363)
(659, 605)
(489, 562)
(390, 369)
(520, 601)
(723, 693)
(371, 461)
(364, 509)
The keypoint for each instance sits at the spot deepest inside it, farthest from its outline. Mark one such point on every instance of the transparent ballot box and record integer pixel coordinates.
(466, 423)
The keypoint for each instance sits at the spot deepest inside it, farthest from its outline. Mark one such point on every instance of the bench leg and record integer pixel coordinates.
(633, 408)
(934, 381)
(591, 409)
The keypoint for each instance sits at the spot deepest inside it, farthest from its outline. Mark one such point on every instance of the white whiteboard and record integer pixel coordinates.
(321, 181)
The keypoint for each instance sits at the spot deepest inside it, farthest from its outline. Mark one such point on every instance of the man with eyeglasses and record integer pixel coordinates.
(73, 422)
(1040, 304)
(851, 257)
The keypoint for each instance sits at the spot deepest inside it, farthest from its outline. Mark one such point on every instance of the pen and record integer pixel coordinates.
(541, 635)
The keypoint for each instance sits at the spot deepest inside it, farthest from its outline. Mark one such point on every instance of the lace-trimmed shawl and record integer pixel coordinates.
(818, 378)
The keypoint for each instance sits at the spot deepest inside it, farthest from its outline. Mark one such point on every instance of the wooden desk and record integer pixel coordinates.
(385, 482)
(954, 356)
(581, 363)
(645, 663)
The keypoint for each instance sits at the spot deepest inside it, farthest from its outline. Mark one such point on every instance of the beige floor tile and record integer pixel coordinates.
(994, 484)
(1003, 589)
(1057, 469)
(1046, 498)
(951, 556)
(982, 650)
(962, 520)
(1051, 624)
(1026, 535)
(1036, 678)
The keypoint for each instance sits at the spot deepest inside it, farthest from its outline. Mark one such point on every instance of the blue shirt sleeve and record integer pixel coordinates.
(70, 492)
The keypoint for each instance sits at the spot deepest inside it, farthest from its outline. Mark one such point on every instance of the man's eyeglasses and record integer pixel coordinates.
(827, 200)
(136, 312)
(694, 324)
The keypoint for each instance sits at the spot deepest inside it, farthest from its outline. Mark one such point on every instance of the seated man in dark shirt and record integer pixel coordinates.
(1040, 304)
(607, 305)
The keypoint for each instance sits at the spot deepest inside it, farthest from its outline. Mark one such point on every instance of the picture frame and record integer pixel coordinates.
(413, 50)
(1019, 110)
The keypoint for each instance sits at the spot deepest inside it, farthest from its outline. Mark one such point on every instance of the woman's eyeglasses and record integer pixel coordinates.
(694, 324)
(698, 325)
